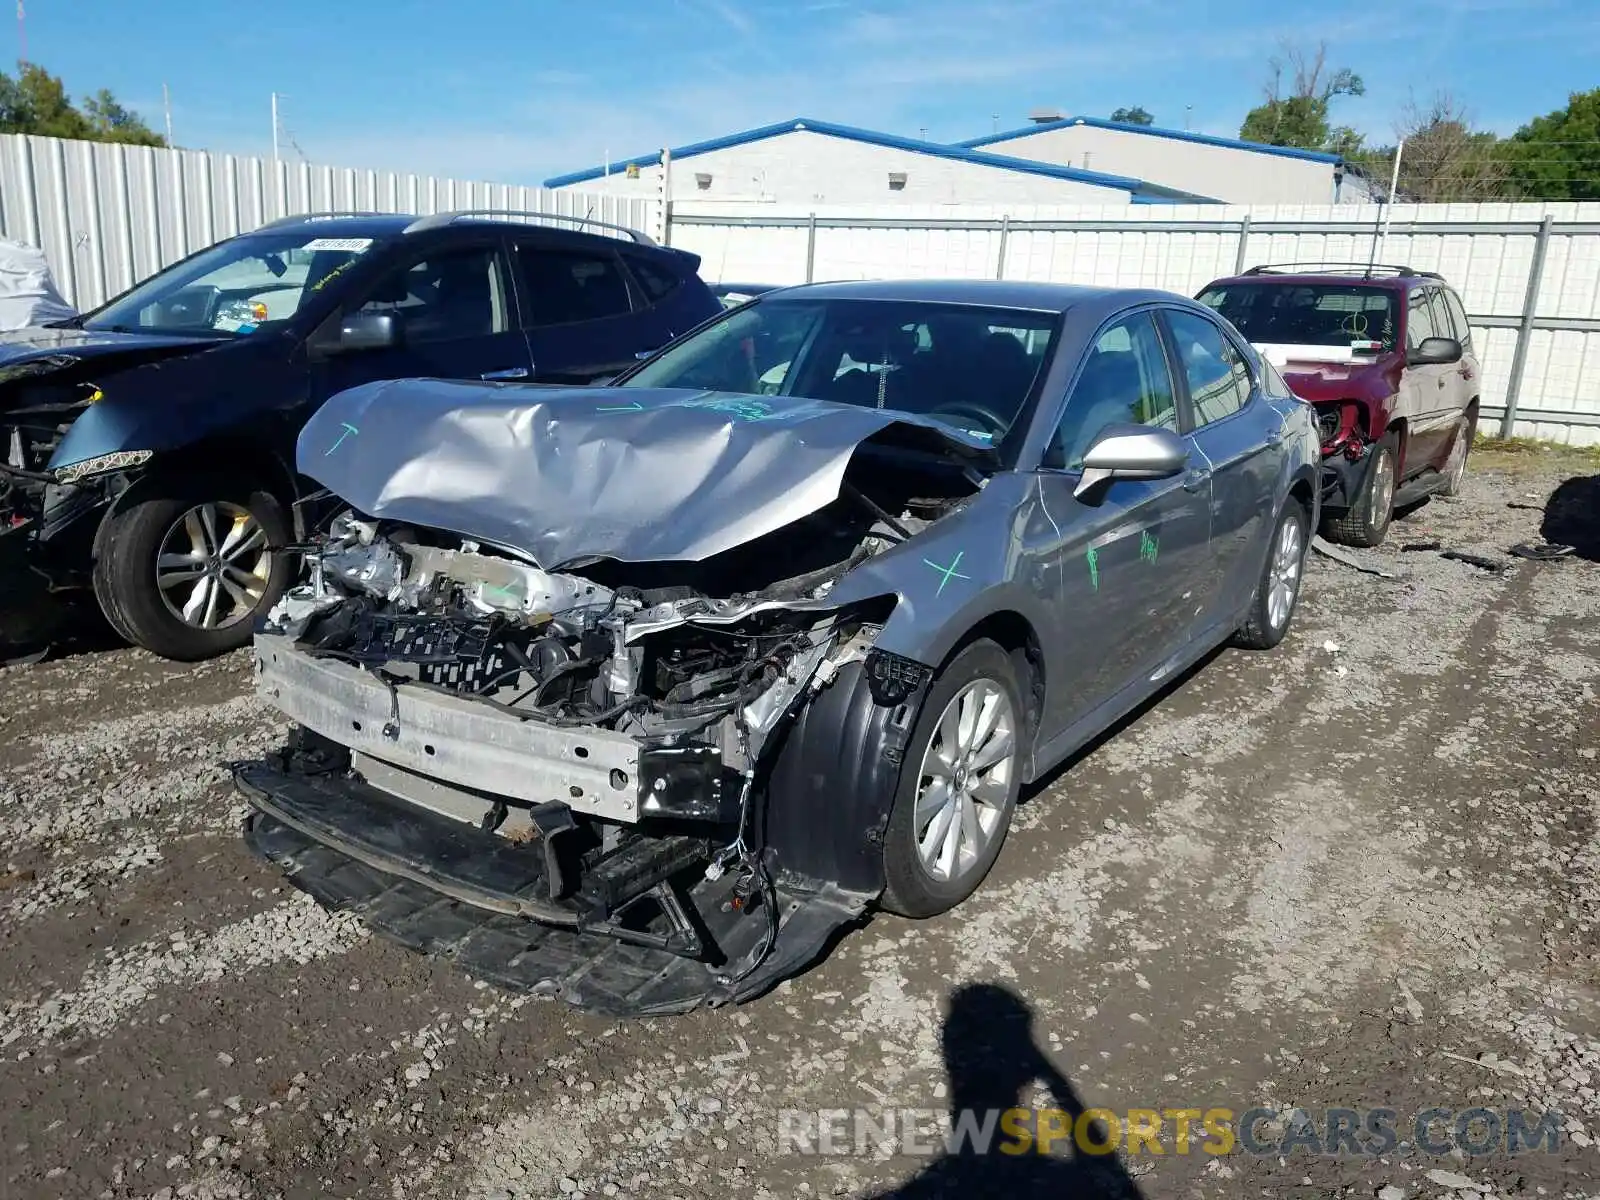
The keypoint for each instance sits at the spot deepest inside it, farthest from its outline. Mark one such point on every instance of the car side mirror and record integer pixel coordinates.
(367, 331)
(1131, 452)
(1435, 351)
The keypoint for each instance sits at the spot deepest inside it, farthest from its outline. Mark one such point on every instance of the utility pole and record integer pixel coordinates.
(1188, 112)
(166, 104)
(22, 36)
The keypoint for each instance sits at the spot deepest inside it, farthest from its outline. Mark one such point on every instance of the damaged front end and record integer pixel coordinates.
(564, 781)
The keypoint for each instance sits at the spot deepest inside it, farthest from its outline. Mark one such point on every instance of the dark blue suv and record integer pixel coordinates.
(147, 448)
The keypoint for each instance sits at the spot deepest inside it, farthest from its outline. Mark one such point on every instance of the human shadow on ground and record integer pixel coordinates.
(991, 1058)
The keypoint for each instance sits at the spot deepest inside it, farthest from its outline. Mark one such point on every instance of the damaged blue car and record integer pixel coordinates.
(147, 448)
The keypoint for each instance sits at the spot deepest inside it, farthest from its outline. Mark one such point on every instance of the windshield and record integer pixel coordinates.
(1287, 314)
(242, 286)
(968, 366)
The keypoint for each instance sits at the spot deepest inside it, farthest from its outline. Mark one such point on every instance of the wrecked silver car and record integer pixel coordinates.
(635, 695)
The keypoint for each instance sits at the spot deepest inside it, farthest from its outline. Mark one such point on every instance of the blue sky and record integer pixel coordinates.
(521, 89)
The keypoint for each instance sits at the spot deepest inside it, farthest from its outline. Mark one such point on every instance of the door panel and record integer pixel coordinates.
(580, 314)
(1229, 433)
(454, 310)
(1425, 391)
(1131, 558)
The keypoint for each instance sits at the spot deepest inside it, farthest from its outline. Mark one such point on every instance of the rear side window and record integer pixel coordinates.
(564, 286)
(1219, 381)
(1419, 319)
(656, 281)
(1443, 323)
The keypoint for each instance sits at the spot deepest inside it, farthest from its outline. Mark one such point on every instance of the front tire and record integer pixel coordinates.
(1278, 592)
(1366, 522)
(185, 571)
(958, 787)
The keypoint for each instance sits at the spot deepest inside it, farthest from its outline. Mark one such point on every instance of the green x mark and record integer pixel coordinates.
(949, 572)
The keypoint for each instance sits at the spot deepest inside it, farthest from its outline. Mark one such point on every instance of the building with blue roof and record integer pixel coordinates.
(806, 162)
(1233, 171)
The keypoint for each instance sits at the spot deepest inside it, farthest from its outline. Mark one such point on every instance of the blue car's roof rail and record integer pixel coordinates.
(439, 220)
(331, 215)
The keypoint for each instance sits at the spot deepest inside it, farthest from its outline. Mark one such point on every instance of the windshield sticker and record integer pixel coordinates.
(350, 245)
(947, 573)
(349, 429)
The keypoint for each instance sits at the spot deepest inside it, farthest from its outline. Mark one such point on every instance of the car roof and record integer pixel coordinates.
(388, 225)
(1387, 283)
(995, 293)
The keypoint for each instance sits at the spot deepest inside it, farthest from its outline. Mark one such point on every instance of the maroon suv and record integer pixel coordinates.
(1385, 355)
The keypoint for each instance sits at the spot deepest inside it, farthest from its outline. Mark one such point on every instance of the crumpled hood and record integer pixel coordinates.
(76, 345)
(566, 475)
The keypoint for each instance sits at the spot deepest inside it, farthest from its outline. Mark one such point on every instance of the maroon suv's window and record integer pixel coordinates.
(1309, 314)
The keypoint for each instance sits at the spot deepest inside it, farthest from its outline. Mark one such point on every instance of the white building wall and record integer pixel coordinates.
(1221, 172)
(812, 168)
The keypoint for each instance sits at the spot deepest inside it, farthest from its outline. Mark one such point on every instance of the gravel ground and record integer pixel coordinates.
(1362, 870)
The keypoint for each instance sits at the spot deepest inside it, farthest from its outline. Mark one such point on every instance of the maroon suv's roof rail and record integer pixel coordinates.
(1365, 270)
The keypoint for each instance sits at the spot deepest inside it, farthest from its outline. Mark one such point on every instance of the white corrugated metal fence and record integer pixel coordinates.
(1540, 345)
(107, 216)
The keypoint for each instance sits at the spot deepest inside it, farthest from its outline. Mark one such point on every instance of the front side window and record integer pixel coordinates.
(564, 286)
(1458, 316)
(451, 295)
(1219, 380)
(972, 367)
(246, 285)
(1296, 314)
(1419, 320)
(1124, 381)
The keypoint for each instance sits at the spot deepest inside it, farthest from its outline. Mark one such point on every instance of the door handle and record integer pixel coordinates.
(1196, 479)
(508, 373)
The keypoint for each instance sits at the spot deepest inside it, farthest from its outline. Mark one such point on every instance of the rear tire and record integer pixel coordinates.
(1366, 522)
(1455, 468)
(185, 571)
(1278, 590)
(958, 785)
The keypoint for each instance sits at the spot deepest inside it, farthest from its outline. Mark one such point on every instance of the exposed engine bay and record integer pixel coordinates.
(597, 740)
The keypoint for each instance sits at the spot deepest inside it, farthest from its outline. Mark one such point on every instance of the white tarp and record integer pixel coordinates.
(28, 295)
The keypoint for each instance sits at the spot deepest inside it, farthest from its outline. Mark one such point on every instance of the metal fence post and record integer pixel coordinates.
(811, 246)
(1000, 264)
(1244, 242)
(1530, 309)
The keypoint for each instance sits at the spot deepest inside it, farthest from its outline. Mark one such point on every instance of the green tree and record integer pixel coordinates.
(1296, 109)
(1445, 159)
(1557, 156)
(1133, 116)
(37, 102)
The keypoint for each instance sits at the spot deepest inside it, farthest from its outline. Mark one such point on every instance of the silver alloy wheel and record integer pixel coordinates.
(965, 780)
(213, 566)
(1382, 486)
(1283, 576)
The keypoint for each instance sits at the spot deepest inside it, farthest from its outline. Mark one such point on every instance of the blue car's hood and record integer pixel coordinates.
(570, 475)
(76, 345)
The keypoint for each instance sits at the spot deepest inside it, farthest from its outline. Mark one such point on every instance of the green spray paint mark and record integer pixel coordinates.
(949, 572)
(634, 407)
(348, 430)
(1094, 567)
(1149, 547)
